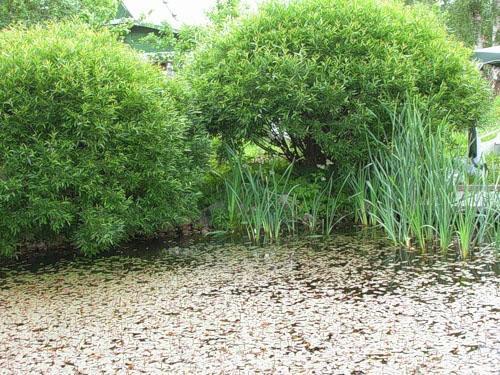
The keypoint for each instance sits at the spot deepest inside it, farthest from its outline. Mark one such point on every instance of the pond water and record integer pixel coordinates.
(351, 304)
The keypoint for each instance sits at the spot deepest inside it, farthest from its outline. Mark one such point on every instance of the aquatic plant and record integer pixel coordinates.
(359, 184)
(466, 222)
(312, 211)
(412, 189)
(260, 201)
(321, 208)
(265, 201)
(331, 216)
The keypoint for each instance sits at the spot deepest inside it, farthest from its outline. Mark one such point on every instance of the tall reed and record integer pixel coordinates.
(412, 189)
(260, 202)
(312, 208)
(331, 215)
(359, 184)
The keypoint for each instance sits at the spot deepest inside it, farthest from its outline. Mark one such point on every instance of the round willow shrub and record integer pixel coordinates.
(310, 77)
(93, 146)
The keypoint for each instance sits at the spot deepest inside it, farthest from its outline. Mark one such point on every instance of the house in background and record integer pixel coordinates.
(486, 57)
(147, 18)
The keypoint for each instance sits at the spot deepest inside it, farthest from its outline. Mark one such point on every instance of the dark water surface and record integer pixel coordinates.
(349, 304)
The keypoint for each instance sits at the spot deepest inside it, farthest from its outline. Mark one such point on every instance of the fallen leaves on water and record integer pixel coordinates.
(343, 306)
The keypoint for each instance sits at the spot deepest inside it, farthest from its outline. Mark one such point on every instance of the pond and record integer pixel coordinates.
(351, 304)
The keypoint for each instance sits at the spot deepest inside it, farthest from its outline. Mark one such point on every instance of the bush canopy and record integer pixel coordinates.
(310, 77)
(94, 148)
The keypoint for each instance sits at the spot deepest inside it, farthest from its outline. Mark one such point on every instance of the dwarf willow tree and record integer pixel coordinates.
(311, 77)
(94, 143)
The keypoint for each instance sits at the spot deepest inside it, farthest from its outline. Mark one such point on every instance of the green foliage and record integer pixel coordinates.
(31, 12)
(492, 161)
(360, 200)
(94, 147)
(488, 128)
(310, 76)
(491, 118)
(188, 37)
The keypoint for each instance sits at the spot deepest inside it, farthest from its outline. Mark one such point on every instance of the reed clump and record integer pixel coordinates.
(263, 201)
(415, 189)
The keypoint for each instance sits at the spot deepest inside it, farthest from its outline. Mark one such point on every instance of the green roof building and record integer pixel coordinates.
(490, 55)
(145, 21)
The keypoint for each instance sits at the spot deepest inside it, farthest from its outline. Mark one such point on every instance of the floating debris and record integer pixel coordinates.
(347, 305)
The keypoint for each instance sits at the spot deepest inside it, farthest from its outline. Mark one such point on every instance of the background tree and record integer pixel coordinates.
(34, 11)
(475, 22)
(224, 11)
